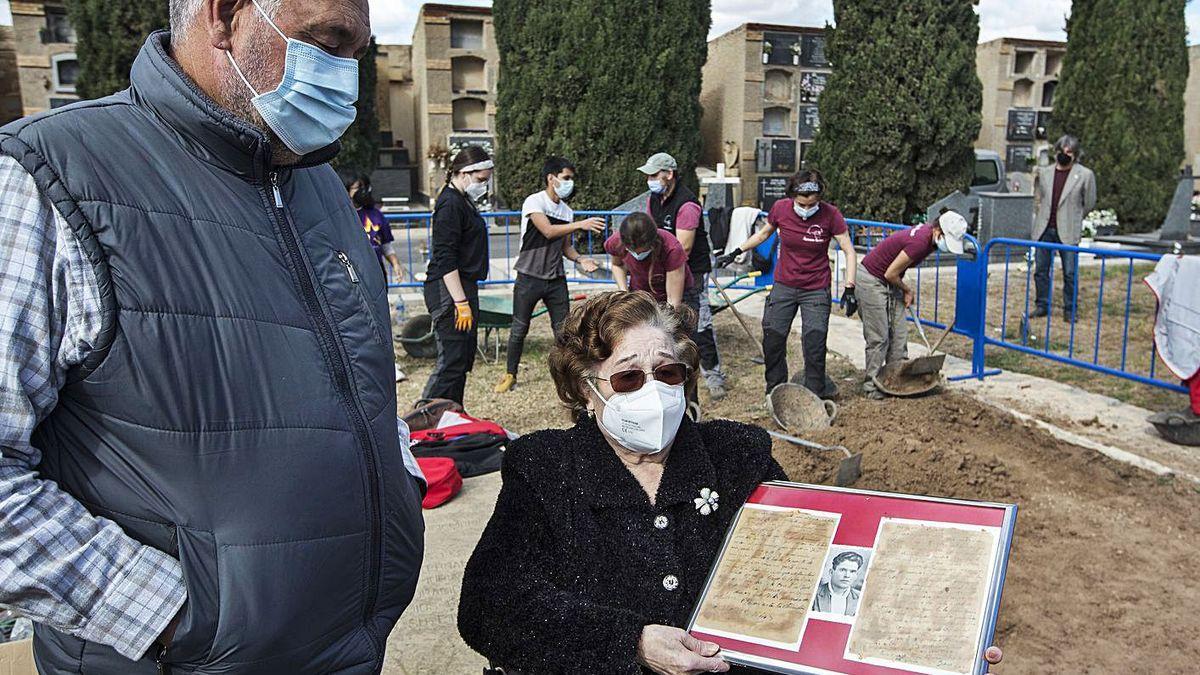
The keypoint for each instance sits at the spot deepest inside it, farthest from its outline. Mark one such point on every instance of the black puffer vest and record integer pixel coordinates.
(239, 412)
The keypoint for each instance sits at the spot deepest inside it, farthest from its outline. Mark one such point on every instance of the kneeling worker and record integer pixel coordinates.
(883, 295)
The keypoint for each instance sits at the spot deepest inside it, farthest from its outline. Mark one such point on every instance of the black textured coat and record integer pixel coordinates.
(575, 559)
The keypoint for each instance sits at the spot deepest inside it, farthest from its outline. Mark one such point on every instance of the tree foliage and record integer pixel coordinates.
(901, 111)
(109, 34)
(1121, 93)
(605, 83)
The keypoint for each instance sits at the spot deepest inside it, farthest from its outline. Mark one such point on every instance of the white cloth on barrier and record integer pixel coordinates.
(1176, 283)
(741, 227)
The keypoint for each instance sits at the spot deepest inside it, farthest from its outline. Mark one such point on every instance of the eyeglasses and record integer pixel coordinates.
(627, 381)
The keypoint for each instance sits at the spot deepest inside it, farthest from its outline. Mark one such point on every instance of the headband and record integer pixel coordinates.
(479, 166)
(810, 186)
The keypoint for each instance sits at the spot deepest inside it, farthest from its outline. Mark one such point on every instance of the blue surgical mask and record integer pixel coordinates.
(640, 256)
(314, 102)
(656, 186)
(806, 213)
(943, 246)
(564, 188)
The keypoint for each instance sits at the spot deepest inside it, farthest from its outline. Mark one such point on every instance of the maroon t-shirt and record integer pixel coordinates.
(1060, 181)
(917, 242)
(804, 244)
(641, 276)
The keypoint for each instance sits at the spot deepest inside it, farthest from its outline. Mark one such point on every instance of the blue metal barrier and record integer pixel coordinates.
(1139, 365)
(964, 309)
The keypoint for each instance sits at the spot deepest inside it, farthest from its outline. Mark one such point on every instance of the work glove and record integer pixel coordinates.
(849, 301)
(463, 319)
(723, 261)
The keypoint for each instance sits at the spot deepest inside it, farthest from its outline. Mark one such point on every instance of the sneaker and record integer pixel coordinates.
(506, 383)
(717, 391)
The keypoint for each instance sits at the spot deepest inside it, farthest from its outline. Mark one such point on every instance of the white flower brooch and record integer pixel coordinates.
(706, 503)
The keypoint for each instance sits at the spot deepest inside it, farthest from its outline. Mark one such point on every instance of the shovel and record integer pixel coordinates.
(762, 357)
(849, 469)
(931, 363)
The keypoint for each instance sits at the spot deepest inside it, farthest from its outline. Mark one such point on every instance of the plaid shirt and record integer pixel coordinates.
(60, 565)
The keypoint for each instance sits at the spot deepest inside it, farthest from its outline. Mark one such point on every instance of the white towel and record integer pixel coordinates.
(741, 227)
(1176, 283)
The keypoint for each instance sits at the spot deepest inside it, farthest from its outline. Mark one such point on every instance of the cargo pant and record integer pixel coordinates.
(881, 307)
(527, 291)
(456, 349)
(814, 308)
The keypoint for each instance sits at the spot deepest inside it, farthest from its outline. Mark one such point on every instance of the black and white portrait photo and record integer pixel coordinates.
(841, 581)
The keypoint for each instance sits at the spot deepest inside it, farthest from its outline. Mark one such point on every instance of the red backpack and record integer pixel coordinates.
(442, 478)
(472, 426)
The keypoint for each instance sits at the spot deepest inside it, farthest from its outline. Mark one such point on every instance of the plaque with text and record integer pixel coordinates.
(810, 122)
(812, 85)
(812, 52)
(1022, 125)
(770, 190)
(1019, 159)
(818, 579)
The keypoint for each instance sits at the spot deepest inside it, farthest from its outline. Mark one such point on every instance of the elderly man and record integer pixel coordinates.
(1063, 195)
(200, 462)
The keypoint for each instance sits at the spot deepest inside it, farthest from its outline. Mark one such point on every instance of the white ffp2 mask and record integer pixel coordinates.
(646, 420)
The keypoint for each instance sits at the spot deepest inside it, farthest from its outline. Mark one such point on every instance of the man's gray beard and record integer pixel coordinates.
(239, 100)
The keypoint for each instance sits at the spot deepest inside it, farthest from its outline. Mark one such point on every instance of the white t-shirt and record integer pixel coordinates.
(540, 257)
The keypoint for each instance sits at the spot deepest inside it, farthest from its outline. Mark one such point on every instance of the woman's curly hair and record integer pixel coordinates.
(596, 326)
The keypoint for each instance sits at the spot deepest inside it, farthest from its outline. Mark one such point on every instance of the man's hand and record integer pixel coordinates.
(593, 225)
(672, 651)
(463, 319)
(587, 265)
(909, 297)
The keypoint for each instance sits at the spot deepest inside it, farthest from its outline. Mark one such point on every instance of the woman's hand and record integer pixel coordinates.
(463, 320)
(588, 266)
(673, 651)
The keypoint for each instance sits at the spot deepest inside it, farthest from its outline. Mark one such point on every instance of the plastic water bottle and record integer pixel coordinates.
(401, 310)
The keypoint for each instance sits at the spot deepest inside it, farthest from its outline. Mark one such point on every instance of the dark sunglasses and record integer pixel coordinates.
(628, 381)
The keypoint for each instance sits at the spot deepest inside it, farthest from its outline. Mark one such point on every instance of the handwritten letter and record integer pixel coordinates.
(767, 575)
(924, 596)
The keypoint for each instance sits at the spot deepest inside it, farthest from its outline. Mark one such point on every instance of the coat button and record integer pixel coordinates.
(670, 582)
(661, 522)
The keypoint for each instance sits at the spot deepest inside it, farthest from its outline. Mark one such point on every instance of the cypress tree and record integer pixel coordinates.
(604, 82)
(1121, 92)
(360, 143)
(109, 34)
(902, 108)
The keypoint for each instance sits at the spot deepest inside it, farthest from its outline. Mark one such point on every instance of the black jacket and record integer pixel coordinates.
(572, 564)
(459, 239)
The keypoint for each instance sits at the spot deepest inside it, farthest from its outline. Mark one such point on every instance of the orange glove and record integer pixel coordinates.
(463, 320)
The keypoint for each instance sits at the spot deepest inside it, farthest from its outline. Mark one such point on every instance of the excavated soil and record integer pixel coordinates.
(1102, 577)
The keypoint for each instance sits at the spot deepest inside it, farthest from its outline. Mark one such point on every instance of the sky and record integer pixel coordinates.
(393, 20)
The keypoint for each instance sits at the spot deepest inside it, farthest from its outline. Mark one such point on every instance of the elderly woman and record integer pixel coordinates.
(604, 533)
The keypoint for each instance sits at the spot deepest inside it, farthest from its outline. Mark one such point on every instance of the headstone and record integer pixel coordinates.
(781, 48)
(810, 122)
(770, 190)
(1017, 159)
(812, 85)
(1022, 125)
(1177, 226)
(1004, 214)
(813, 52)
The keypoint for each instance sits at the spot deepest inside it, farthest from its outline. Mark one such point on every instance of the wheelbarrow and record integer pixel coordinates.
(495, 313)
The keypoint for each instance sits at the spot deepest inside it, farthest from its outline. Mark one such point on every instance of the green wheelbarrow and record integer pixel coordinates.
(496, 314)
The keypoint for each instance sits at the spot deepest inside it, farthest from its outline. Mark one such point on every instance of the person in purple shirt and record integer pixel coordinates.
(883, 294)
(806, 225)
(375, 226)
